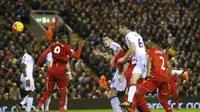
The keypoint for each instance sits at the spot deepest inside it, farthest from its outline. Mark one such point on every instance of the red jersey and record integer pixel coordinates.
(61, 52)
(159, 63)
(119, 66)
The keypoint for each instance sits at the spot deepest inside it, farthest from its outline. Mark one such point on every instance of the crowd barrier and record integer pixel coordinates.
(185, 102)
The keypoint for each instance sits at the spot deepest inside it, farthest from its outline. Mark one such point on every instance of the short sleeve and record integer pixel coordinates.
(25, 59)
(70, 51)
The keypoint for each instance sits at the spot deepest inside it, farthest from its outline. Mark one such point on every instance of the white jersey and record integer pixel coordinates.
(140, 52)
(50, 58)
(118, 85)
(29, 62)
(114, 46)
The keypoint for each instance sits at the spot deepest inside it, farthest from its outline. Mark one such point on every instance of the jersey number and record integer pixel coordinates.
(56, 50)
(163, 62)
(140, 43)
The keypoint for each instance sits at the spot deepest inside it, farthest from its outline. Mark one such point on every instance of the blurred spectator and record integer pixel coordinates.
(15, 92)
(174, 23)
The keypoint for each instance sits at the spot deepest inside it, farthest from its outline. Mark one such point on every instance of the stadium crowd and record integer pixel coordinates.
(176, 24)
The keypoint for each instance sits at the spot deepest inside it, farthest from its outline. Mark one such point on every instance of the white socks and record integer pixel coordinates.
(66, 100)
(29, 103)
(131, 93)
(47, 102)
(115, 104)
(24, 101)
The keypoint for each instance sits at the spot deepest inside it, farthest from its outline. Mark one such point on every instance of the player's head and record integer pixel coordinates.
(106, 40)
(29, 48)
(123, 27)
(152, 43)
(62, 38)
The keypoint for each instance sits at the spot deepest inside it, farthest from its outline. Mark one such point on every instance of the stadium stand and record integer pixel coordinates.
(175, 22)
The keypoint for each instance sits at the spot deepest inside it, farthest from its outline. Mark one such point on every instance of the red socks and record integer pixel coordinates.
(166, 106)
(43, 99)
(177, 101)
(142, 103)
(62, 100)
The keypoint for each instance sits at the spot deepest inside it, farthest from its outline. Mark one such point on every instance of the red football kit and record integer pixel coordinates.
(56, 73)
(120, 66)
(159, 72)
(160, 78)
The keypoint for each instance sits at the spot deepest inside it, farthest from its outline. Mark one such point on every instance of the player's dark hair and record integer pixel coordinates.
(107, 35)
(124, 24)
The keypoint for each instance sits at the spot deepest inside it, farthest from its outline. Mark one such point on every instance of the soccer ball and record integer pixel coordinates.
(18, 26)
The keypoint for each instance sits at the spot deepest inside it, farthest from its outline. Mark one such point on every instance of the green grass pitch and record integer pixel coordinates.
(153, 110)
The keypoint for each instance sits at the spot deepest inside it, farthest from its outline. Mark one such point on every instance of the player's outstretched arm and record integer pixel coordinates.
(125, 67)
(169, 67)
(23, 67)
(128, 54)
(77, 54)
(42, 56)
(149, 65)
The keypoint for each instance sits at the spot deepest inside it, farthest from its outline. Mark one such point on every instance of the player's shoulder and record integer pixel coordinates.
(114, 44)
(26, 55)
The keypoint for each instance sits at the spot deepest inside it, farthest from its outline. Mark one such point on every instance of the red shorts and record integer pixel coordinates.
(58, 77)
(164, 92)
(150, 85)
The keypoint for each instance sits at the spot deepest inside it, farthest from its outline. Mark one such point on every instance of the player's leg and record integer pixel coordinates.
(163, 99)
(177, 101)
(163, 94)
(114, 100)
(175, 95)
(61, 81)
(47, 93)
(66, 102)
(22, 103)
(116, 85)
(146, 87)
(138, 71)
(47, 102)
(28, 100)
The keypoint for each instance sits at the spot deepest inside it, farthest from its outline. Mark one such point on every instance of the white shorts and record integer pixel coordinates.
(31, 87)
(141, 68)
(116, 83)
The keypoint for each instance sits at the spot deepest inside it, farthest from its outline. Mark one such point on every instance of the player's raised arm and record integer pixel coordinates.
(77, 54)
(42, 56)
(149, 66)
(23, 67)
(169, 67)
